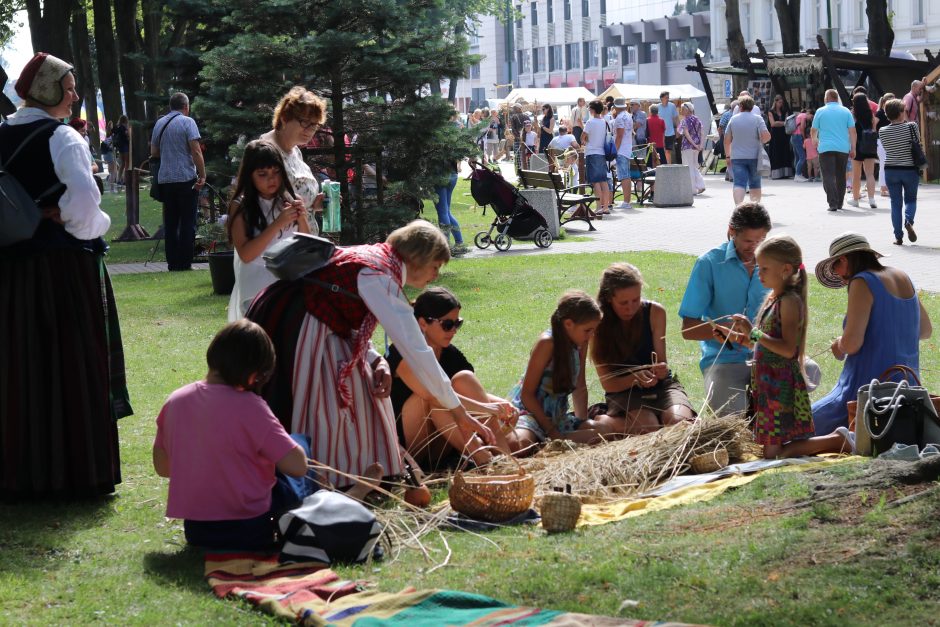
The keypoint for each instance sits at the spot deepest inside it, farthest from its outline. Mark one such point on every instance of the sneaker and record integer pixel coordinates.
(873, 204)
(911, 235)
(459, 250)
(800, 179)
(852, 202)
(624, 205)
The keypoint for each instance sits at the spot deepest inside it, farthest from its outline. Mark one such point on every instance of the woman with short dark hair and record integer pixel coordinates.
(901, 174)
(546, 127)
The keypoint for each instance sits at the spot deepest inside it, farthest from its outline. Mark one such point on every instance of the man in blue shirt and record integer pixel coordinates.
(724, 282)
(670, 115)
(182, 174)
(834, 135)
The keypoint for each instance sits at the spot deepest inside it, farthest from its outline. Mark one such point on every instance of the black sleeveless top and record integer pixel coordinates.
(35, 171)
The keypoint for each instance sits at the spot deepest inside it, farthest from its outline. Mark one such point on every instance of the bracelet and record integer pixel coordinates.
(756, 335)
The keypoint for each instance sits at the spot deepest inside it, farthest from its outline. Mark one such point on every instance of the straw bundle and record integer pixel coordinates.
(637, 464)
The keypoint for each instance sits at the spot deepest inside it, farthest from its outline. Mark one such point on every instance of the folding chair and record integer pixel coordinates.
(643, 177)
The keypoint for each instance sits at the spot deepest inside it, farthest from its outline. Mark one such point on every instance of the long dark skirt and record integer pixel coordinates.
(62, 381)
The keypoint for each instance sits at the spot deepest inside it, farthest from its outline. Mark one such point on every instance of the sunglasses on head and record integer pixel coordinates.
(448, 324)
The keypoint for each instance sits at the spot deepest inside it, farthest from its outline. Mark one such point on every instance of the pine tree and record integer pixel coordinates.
(372, 61)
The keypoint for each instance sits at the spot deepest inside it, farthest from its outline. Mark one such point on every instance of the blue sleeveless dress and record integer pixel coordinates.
(892, 337)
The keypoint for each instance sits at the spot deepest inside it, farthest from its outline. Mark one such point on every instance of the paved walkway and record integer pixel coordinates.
(797, 209)
(143, 268)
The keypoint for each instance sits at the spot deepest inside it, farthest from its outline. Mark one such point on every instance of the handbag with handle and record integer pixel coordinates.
(763, 159)
(890, 412)
(298, 255)
(917, 151)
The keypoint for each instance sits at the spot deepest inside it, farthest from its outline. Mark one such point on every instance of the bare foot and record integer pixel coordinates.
(368, 482)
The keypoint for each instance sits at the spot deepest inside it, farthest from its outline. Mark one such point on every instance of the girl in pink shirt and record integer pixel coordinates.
(219, 444)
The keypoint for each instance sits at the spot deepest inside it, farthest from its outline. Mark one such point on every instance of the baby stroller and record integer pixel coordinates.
(515, 217)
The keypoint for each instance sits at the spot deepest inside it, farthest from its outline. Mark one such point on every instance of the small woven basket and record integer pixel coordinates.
(494, 498)
(560, 511)
(709, 462)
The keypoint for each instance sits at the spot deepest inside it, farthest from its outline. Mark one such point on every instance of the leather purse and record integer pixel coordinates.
(891, 412)
(298, 255)
(917, 151)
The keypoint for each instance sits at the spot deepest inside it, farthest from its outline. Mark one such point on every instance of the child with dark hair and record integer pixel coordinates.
(219, 444)
(263, 211)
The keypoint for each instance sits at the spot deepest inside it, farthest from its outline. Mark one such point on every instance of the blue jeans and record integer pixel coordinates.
(902, 187)
(799, 154)
(444, 217)
(745, 173)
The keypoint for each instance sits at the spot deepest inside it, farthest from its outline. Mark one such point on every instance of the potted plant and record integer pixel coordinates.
(212, 242)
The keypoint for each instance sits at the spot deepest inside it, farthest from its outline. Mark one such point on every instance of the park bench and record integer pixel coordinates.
(565, 198)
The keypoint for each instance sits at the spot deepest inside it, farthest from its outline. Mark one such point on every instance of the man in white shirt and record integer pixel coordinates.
(755, 110)
(564, 141)
(623, 138)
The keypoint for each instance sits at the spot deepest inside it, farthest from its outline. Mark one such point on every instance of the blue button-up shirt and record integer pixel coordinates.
(718, 286)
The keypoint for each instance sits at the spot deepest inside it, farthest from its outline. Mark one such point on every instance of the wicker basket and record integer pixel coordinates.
(710, 462)
(494, 498)
(560, 511)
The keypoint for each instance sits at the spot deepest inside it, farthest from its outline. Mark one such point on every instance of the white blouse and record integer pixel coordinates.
(300, 176)
(79, 205)
(387, 302)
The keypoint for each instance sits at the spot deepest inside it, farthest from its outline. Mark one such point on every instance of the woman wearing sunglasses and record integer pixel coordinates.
(427, 432)
(296, 119)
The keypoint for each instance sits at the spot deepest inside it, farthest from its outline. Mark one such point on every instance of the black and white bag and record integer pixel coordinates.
(329, 527)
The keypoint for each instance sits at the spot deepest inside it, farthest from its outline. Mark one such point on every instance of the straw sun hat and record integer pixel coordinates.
(842, 245)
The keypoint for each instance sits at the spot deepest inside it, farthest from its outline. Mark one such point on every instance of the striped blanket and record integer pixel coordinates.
(312, 594)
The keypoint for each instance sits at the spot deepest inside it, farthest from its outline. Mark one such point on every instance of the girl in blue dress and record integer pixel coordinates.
(555, 373)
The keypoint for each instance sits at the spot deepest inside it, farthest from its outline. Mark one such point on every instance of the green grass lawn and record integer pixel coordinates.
(745, 558)
(468, 214)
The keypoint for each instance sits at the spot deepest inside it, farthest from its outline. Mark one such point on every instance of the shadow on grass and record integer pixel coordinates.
(35, 535)
(181, 568)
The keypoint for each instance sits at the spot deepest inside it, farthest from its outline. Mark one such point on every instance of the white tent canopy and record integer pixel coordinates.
(548, 95)
(651, 92)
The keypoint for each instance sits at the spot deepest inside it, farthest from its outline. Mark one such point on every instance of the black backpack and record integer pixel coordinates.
(19, 213)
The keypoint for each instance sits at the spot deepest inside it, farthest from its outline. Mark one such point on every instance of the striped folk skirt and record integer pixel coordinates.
(62, 381)
(348, 439)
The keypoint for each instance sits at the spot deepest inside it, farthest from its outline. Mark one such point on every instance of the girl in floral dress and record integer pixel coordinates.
(779, 400)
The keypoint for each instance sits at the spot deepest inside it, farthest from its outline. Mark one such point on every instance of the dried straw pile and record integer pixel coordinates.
(636, 464)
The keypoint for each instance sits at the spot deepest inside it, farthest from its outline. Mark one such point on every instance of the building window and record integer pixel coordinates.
(612, 56)
(918, 12)
(475, 71)
(769, 18)
(525, 61)
(585, 7)
(567, 9)
(535, 14)
(630, 58)
(537, 64)
(650, 53)
(591, 51)
(555, 62)
(518, 16)
(550, 12)
(603, 7)
(477, 97)
(572, 56)
(860, 15)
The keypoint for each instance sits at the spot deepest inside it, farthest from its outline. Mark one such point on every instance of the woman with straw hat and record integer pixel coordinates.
(884, 322)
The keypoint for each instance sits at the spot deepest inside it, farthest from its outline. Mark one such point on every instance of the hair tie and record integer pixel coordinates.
(802, 267)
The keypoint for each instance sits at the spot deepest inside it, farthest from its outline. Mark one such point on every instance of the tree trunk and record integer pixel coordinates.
(737, 51)
(81, 51)
(880, 34)
(128, 36)
(788, 15)
(339, 152)
(107, 61)
(153, 20)
(48, 23)
(452, 88)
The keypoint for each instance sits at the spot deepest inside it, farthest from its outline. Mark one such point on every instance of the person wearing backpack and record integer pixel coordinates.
(62, 362)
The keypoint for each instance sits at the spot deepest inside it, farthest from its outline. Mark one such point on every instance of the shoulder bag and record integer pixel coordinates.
(763, 159)
(917, 151)
(155, 190)
(895, 411)
(19, 213)
(298, 255)
(610, 146)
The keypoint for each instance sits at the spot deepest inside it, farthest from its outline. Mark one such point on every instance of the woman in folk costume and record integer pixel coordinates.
(329, 382)
(62, 382)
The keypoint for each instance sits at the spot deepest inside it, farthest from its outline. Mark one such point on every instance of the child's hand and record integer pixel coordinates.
(318, 203)
(645, 378)
(660, 370)
(504, 411)
(381, 378)
(741, 324)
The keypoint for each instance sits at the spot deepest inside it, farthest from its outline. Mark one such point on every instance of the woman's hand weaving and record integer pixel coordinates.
(381, 378)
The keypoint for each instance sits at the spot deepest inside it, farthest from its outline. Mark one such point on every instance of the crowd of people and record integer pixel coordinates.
(834, 144)
(297, 357)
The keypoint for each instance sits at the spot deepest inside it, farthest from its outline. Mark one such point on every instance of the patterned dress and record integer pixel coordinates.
(554, 404)
(779, 399)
